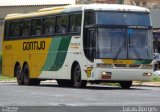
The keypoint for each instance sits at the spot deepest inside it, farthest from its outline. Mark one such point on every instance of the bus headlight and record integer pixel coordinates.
(147, 74)
(106, 75)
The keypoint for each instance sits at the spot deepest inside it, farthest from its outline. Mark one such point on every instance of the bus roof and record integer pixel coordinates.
(76, 8)
(116, 7)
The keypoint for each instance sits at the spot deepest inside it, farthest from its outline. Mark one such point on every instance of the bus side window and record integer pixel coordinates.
(89, 18)
(75, 23)
(25, 28)
(6, 30)
(14, 29)
(37, 27)
(62, 24)
(91, 44)
(49, 25)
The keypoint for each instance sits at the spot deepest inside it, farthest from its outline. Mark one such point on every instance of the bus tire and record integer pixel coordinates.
(26, 75)
(78, 83)
(19, 75)
(126, 84)
(27, 80)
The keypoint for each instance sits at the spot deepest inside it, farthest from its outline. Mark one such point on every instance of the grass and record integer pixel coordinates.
(156, 79)
(5, 78)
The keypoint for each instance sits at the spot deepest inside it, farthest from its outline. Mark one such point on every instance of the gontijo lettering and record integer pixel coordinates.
(34, 45)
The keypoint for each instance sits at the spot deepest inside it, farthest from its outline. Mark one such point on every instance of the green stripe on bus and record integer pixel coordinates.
(143, 62)
(57, 53)
(61, 55)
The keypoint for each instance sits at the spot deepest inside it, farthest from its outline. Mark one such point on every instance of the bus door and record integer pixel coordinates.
(91, 34)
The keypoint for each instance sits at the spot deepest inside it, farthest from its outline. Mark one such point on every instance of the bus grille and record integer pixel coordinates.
(120, 65)
(127, 65)
(134, 66)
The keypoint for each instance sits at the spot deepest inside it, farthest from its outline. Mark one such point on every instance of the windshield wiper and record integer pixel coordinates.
(132, 45)
(119, 50)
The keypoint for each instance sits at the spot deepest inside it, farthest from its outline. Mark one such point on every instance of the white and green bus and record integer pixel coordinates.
(79, 44)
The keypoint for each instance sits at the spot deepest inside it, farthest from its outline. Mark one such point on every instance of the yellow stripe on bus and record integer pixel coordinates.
(111, 61)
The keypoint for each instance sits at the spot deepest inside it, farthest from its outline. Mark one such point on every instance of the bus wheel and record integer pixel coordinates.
(19, 75)
(126, 84)
(27, 80)
(26, 75)
(77, 77)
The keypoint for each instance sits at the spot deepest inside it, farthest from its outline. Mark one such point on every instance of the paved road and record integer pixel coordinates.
(51, 95)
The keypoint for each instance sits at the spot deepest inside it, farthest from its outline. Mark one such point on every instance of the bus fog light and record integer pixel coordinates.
(147, 74)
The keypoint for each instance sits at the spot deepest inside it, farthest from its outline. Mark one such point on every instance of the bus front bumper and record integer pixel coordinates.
(122, 74)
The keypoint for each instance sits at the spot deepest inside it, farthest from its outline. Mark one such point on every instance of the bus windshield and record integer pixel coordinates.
(122, 18)
(110, 42)
(121, 35)
(123, 43)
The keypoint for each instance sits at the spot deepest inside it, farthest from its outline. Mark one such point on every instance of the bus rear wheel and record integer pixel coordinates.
(126, 84)
(19, 75)
(27, 80)
(78, 83)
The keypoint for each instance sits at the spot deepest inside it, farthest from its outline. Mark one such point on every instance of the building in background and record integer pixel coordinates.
(25, 6)
(144, 3)
(154, 6)
(99, 1)
(155, 14)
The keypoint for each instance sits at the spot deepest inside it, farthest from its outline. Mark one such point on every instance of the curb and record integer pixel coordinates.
(147, 84)
(14, 81)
